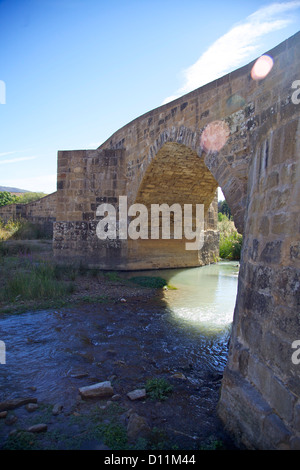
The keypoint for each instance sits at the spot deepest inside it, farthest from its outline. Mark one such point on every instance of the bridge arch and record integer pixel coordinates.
(225, 163)
(176, 175)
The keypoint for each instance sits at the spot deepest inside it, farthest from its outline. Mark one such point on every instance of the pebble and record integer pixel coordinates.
(31, 407)
(38, 428)
(11, 420)
(79, 375)
(116, 397)
(57, 409)
(3, 414)
(179, 375)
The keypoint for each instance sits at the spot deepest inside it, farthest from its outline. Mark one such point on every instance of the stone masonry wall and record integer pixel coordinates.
(11, 212)
(260, 399)
(42, 211)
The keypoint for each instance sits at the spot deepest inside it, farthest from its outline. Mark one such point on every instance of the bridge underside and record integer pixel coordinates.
(244, 136)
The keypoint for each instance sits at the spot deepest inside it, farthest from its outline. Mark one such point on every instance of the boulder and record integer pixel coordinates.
(16, 402)
(137, 427)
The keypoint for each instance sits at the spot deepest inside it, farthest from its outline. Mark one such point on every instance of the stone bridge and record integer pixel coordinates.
(244, 136)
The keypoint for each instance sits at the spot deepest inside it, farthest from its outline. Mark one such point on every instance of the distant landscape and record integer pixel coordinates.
(13, 190)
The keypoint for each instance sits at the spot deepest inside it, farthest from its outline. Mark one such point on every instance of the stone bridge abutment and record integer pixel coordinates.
(244, 136)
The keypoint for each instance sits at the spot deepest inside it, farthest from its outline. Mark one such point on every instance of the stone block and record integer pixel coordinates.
(275, 433)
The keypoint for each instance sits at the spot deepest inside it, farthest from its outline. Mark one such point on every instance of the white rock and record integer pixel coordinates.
(137, 394)
(101, 389)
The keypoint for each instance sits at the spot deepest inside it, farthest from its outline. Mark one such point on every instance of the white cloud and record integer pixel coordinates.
(232, 49)
(5, 154)
(14, 160)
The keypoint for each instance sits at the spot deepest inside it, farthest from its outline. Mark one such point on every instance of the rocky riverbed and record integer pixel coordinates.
(128, 341)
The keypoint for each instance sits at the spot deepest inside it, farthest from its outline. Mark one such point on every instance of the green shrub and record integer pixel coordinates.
(23, 230)
(147, 281)
(115, 436)
(230, 247)
(158, 389)
(26, 230)
(38, 283)
(7, 198)
(230, 240)
(112, 276)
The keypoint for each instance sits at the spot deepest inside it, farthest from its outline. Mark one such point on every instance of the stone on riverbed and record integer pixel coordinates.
(137, 427)
(15, 403)
(57, 409)
(38, 428)
(137, 394)
(32, 407)
(101, 389)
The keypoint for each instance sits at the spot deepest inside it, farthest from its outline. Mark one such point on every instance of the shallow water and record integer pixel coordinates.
(188, 329)
(202, 306)
(179, 335)
(205, 297)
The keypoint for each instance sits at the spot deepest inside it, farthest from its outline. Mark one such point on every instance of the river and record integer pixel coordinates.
(51, 353)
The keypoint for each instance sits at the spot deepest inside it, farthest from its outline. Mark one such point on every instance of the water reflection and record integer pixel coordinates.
(205, 296)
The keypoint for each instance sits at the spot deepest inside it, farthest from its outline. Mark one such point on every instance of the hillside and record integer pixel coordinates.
(13, 190)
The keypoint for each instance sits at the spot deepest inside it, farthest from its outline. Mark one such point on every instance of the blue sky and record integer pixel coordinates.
(75, 71)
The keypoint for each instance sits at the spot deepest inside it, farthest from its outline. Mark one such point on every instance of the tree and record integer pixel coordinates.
(7, 198)
(224, 208)
(25, 198)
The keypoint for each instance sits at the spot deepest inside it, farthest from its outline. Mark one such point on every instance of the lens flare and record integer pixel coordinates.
(262, 67)
(214, 136)
(235, 102)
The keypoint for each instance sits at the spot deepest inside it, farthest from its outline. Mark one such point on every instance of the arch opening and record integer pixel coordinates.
(177, 176)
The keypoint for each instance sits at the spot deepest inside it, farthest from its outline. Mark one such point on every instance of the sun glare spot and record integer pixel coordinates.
(262, 67)
(214, 136)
